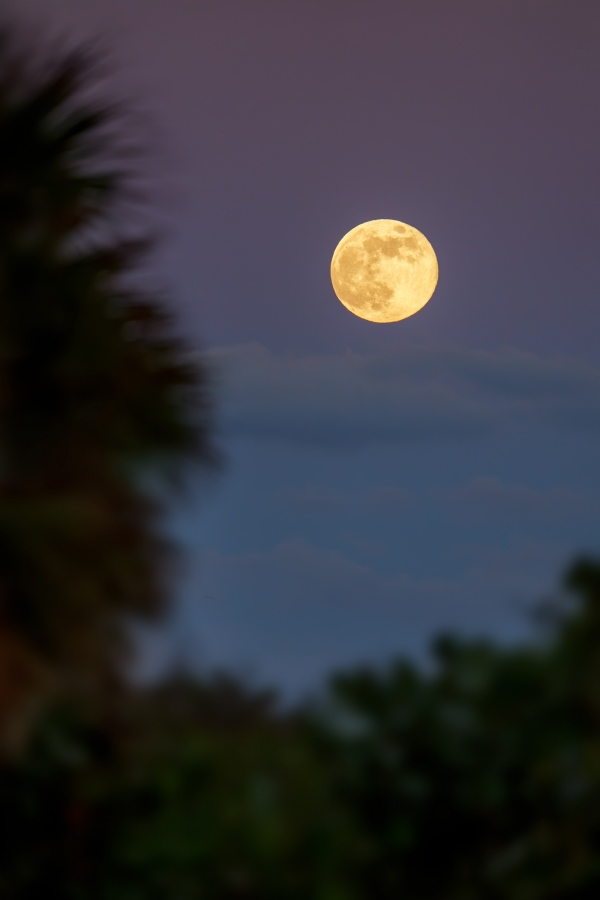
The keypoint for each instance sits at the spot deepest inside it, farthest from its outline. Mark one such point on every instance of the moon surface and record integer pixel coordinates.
(384, 270)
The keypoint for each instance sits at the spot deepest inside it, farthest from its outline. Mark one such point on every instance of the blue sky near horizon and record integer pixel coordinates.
(382, 482)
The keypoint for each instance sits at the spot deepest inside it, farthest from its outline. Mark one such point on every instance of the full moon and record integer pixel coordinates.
(384, 270)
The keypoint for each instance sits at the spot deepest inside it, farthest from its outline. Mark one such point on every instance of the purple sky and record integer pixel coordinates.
(383, 481)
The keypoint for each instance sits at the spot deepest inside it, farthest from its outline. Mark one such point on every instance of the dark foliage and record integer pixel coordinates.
(483, 779)
(96, 391)
(478, 778)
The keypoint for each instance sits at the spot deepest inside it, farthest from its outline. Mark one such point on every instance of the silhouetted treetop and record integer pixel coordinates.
(96, 389)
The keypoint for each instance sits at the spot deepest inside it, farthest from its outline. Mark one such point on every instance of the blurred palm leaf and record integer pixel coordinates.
(95, 389)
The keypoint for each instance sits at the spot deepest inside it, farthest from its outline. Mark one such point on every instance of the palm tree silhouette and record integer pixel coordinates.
(95, 392)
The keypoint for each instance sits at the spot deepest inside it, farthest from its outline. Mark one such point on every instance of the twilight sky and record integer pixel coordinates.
(383, 481)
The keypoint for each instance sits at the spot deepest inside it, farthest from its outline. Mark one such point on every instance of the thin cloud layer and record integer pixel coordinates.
(322, 499)
(484, 497)
(403, 395)
(488, 497)
(295, 611)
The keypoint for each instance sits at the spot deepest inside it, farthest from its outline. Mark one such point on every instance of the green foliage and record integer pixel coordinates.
(477, 777)
(481, 779)
(228, 819)
(217, 810)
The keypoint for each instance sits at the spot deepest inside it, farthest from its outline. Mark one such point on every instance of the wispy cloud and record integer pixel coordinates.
(295, 611)
(408, 394)
(489, 497)
(322, 499)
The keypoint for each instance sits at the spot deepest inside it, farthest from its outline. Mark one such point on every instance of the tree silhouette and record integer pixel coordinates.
(96, 392)
(480, 778)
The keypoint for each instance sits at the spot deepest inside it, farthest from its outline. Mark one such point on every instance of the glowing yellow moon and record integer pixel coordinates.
(384, 270)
